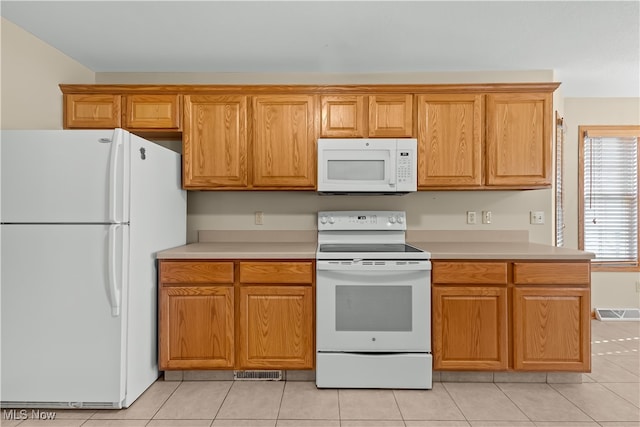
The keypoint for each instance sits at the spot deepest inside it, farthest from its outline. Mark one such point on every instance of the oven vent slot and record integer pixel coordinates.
(257, 375)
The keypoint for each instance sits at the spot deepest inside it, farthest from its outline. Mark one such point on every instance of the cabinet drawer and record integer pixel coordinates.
(196, 272)
(276, 272)
(490, 273)
(551, 273)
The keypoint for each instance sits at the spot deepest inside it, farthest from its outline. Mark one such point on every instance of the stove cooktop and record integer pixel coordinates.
(368, 247)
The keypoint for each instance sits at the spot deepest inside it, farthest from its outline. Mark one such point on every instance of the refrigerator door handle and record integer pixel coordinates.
(114, 174)
(115, 287)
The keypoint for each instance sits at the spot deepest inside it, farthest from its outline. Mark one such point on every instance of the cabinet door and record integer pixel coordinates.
(276, 327)
(450, 134)
(519, 140)
(343, 116)
(551, 329)
(391, 115)
(214, 142)
(152, 112)
(196, 327)
(99, 111)
(284, 141)
(470, 328)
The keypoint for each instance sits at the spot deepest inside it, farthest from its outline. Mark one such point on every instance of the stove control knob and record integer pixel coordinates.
(323, 219)
(331, 220)
(400, 220)
(392, 219)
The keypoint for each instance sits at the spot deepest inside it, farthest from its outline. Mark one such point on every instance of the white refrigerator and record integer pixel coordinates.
(83, 213)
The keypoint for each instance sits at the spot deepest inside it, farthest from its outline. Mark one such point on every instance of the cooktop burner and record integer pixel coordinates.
(368, 247)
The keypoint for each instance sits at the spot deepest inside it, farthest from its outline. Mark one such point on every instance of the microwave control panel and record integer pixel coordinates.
(405, 166)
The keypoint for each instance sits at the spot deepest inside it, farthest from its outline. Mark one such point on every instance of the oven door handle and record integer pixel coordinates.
(360, 266)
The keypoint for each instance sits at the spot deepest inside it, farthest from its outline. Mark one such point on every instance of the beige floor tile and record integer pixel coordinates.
(244, 423)
(540, 402)
(308, 423)
(618, 424)
(372, 423)
(115, 423)
(9, 423)
(628, 391)
(566, 378)
(29, 422)
(179, 423)
(435, 404)
(439, 423)
(480, 401)
(630, 362)
(145, 407)
(502, 424)
(303, 401)
(368, 405)
(72, 414)
(259, 400)
(194, 400)
(566, 424)
(598, 402)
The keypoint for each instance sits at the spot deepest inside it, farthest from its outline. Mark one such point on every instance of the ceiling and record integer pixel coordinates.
(593, 46)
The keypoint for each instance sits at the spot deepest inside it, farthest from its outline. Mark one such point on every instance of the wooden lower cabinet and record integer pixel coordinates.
(233, 314)
(196, 325)
(276, 327)
(521, 316)
(470, 327)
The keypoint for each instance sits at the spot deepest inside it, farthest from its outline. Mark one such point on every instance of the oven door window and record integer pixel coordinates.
(374, 308)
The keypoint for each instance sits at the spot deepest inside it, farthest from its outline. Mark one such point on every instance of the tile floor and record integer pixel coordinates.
(608, 396)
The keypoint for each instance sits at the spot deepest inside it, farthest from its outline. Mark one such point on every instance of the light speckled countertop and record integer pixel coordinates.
(273, 244)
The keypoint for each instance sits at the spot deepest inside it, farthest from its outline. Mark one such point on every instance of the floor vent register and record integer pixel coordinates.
(607, 314)
(257, 375)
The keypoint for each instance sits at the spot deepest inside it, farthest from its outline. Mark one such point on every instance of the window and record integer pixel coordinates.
(609, 195)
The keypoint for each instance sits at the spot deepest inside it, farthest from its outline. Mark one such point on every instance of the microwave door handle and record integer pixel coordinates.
(393, 168)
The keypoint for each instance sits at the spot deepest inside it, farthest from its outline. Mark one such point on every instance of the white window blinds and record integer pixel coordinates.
(610, 188)
(559, 181)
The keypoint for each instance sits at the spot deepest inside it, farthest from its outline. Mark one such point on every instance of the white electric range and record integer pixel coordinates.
(373, 303)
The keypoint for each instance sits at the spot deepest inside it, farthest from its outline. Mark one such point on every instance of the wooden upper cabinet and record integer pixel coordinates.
(152, 112)
(519, 139)
(93, 111)
(391, 116)
(284, 141)
(343, 116)
(214, 142)
(450, 140)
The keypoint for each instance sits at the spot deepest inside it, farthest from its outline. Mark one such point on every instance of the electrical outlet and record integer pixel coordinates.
(486, 217)
(638, 286)
(471, 217)
(259, 217)
(536, 217)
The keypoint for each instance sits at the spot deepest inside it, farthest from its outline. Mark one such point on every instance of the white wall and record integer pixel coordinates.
(608, 289)
(31, 72)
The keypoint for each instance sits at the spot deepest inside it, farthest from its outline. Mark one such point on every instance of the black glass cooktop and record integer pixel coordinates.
(369, 247)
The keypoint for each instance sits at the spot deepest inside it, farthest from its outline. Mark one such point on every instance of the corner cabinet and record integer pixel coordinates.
(521, 316)
(236, 314)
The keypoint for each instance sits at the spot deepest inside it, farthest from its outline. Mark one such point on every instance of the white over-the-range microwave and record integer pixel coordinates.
(367, 166)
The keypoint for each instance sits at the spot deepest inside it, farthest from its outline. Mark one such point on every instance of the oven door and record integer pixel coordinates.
(373, 306)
